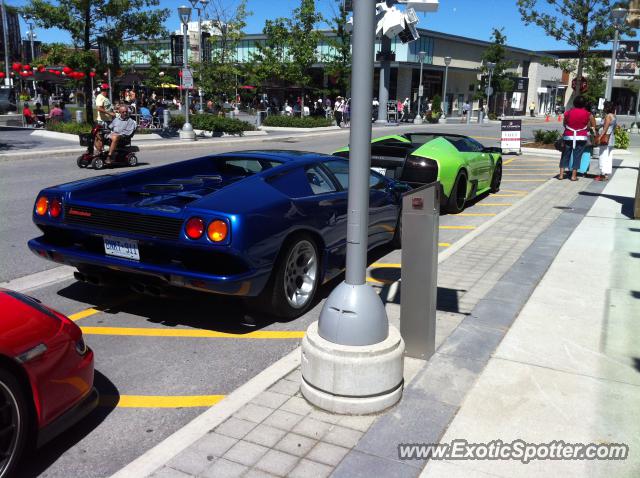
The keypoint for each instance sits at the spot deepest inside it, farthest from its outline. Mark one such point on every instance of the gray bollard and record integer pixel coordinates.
(166, 117)
(79, 116)
(469, 114)
(480, 115)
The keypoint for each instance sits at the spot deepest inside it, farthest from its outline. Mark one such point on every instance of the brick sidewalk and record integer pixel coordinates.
(279, 434)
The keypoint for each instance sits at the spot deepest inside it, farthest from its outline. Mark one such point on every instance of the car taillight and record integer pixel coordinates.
(55, 209)
(217, 231)
(42, 205)
(194, 228)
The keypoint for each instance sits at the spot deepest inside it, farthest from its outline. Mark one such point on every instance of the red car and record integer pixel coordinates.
(46, 375)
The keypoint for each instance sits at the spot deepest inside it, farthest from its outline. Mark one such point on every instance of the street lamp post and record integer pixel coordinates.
(204, 4)
(447, 62)
(490, 66)
(418, 118)
(5, 40)
(186, 132)
(618, 16)
(33, 56)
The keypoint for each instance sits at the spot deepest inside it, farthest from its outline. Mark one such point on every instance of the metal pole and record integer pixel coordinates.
(385, 78)
(444, 91)
(637, 103)
(109, 73)
(5, 39)
(200, 56)
(353, 314)
(612, 69)
(418, 118)
(187, 130)
(33, 57)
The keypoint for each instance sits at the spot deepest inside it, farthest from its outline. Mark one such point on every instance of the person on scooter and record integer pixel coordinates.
(121, 126)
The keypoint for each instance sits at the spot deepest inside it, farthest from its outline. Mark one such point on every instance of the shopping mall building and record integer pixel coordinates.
(533, 79)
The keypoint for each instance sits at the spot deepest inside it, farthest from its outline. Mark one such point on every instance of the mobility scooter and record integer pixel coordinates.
(125, 154)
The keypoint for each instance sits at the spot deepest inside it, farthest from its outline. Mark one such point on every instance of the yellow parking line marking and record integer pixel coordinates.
(83, 314)
(519, 191)
(444, 244)
(378, 281)
(507, 195)
(385, 264)
(524, 180)
(508, 161)
(192, 333)
(159, 401)
(491, 204)
(473, 214)
(530, 174)
(458, 227)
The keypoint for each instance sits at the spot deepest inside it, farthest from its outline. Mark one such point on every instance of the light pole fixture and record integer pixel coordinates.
(489, 91)
(186, 132)
(418, 119)
(618, 17)
(33, 56)
(443, 106)
(194, 4)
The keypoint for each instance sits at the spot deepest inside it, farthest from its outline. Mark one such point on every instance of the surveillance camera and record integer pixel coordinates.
(393, 23)
(422, 5)
(409, 33)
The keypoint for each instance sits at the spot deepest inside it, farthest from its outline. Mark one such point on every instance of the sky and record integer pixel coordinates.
(470, 18)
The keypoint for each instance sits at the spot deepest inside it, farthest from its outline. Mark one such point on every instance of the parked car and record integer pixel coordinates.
(464, 167)
(269, 225)
(46, 376)
(7, 100)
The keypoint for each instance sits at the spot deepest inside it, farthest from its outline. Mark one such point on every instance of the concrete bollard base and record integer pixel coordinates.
(353, 380)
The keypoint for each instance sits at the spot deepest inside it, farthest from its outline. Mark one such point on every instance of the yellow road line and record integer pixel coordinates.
(491, 204)
(83, 314)
(385, 264)
(508, 161)
(458, 227)
(192, 333)
(473, 214)
(159, 401)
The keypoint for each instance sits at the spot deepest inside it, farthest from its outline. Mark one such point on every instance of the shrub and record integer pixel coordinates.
(70, 128)
(432, 118)
(176, 121)
(622, 138)
(217, 124)
(549, 136)
(493, 116)
(436, 109)
(297, 121)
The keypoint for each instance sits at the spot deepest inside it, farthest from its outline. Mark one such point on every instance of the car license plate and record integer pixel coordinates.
(382, 171)
(120, 247)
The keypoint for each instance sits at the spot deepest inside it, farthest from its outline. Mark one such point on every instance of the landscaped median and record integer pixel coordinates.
(213, 125)
(297, 123)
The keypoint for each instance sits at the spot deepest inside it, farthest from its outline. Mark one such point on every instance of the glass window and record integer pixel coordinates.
(376, 181)
(340, 170)
(244, 166)
(319, 181)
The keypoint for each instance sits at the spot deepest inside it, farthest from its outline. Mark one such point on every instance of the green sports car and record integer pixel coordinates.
(464, 167)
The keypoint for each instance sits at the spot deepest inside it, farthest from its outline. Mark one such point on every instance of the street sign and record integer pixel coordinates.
(187, 78)
(489, 90)
(510, 137)
(421, 90)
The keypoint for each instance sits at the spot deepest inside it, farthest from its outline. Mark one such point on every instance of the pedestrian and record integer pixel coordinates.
(406, 108)
(27, 114)
(400, 111)
(338, 109)
(56, 114)
(104, 109)
(577, 122)
(606, 141)
(66, 114)
(466, 107)
(40, 114)
(532, 108)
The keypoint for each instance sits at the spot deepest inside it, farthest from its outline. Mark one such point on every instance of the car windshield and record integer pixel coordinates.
(461, 143)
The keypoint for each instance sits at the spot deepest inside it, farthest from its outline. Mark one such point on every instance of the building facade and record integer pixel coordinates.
(13, 35)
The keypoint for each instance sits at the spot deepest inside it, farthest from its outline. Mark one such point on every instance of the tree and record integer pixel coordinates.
(221, 73)
(289, 52)
(497, 53)
(86, 20)
(338, 63)
(583, 24)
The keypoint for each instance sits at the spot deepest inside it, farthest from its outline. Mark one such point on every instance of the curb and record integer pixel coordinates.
(214, 416)
(43, 133)
(305, 130)
(556, 154)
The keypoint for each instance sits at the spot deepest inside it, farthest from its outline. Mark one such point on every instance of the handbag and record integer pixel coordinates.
(603, 139)
(559, 144)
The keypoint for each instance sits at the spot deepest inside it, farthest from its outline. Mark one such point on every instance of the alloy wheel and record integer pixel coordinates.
(300, 274)
(9, 427)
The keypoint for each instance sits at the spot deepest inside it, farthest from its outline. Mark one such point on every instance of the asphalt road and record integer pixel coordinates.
(160, 360)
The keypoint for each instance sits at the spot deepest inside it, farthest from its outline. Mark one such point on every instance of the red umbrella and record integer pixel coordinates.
(247, 87)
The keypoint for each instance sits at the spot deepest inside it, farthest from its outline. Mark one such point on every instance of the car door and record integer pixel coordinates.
(482, 162)
(383, 211)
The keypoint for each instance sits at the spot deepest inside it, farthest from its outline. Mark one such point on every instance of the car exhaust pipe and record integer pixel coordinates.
(93, 280)
(79, 276)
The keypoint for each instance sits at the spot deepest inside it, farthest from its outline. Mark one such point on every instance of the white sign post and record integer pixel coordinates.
(510, 138)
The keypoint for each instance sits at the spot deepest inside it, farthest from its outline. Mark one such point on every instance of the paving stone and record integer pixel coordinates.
(224, 468)
(297, 405)
(295, 376)
(235, 427)
(255, 473)
(327, 453)
(310, 469)
(245, 453)
(361, 465)
(191, 461)
(166, 472)
(277, 463)
(283, 420)
(265, 435)
(494, 314)
(253, 413)
(360, 423)
(312, 428)
(213, 444)
(342, 436)
(286, 387)
(472, 341)
(324, 416)
(294, 444)
(270, 399)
